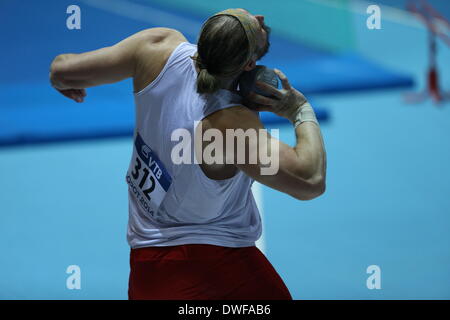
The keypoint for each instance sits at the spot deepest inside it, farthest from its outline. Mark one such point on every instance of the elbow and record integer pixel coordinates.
(57, 71)
(316, 188)
(56, 65)
(320, 189)
(314, 193)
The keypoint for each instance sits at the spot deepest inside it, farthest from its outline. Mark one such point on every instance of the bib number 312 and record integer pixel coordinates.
(147, 177)
(146, 174)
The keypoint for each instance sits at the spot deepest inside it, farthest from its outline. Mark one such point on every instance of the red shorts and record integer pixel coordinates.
(203, 272)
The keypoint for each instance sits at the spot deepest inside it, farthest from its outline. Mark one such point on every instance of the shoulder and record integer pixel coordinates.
(159, 38)
(154, 49)
(236, 117)
(155, 43)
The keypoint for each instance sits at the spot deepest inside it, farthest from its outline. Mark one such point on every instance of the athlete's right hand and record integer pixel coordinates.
(286, 102)
(76, 95)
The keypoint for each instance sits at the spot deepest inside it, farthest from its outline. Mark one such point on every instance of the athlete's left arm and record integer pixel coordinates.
(71, 73)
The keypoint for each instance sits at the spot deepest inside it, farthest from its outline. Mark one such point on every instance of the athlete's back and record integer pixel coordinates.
(172, 203)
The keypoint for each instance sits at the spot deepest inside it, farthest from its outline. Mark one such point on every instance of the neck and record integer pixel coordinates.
(227, 84)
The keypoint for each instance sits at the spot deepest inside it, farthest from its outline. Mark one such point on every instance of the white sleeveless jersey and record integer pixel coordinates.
(173, 204)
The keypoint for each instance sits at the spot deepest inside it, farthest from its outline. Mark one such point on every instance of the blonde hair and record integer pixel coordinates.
(207, 83)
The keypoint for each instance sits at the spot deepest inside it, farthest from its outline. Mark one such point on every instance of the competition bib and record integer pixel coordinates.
(147, 178)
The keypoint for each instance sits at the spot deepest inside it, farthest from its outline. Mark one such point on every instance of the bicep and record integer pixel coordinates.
(106, 65)
(100, 66)
(277, 165)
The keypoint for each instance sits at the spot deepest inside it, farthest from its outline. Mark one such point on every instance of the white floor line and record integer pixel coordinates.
(162, 18)
(257, 193)
(148, 14)
(400, 16)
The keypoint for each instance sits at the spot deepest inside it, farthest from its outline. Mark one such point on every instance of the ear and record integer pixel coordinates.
(250, 65)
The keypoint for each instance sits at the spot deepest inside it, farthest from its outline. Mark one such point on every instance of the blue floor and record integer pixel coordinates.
(386, 204)
(387, 201)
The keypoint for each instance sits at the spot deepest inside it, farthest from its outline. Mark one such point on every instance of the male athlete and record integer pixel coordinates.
(192, 226)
